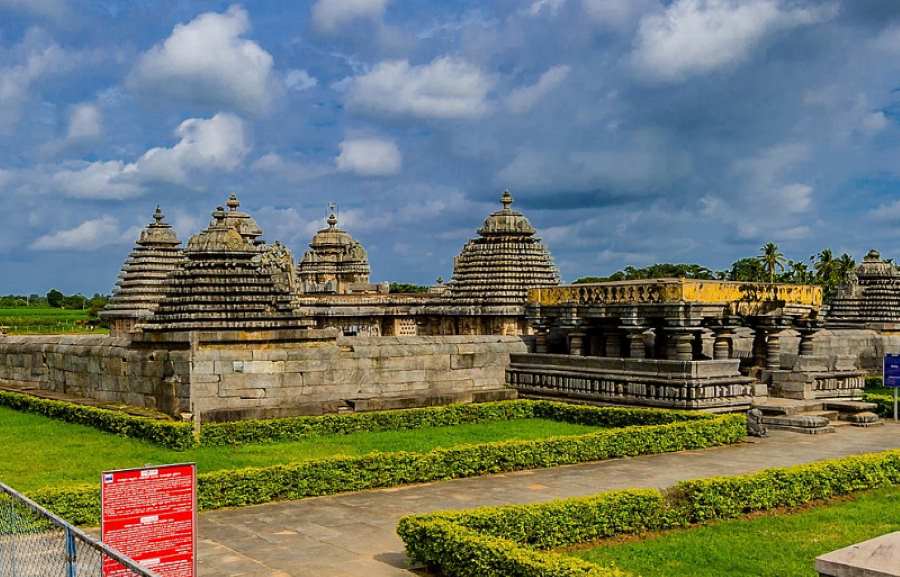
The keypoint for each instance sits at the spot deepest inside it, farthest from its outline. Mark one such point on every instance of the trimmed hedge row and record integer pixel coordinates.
(497, 541)
(294, 428)
(171, 434)
(233, 488)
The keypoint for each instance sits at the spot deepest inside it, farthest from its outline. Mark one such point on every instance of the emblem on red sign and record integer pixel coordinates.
(150, 515)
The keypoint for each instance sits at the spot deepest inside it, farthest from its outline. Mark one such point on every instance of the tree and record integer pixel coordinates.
(844, 266)
(55, 298)
(824, 267)
(799, 272)
(771, 259)
(747, 270)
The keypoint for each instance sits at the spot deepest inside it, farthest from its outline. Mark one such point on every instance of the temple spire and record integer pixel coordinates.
(332, 216)
(506, 200)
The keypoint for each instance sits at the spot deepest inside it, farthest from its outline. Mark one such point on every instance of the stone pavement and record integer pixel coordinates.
(354, 533)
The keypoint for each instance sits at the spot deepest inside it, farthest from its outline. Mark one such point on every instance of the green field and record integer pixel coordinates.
(45, 320)
(40, 452)
(771, 545)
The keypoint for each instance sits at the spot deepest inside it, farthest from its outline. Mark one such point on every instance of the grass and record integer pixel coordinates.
(45, 320)
(40, 452)
(774, 544)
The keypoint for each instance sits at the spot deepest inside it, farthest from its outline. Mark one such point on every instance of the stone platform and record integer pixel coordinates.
(879, 557)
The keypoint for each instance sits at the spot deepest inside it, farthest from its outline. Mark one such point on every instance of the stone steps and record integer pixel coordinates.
(815, 417)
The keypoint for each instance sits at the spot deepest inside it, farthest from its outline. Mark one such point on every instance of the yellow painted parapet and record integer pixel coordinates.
(676, 291)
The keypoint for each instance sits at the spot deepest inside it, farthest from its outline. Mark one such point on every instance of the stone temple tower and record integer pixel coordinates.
(142, 280)
(495, 270)
(335, 263)
(872, 298)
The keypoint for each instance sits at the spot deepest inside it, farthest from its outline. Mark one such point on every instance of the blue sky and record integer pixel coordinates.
(630, 131)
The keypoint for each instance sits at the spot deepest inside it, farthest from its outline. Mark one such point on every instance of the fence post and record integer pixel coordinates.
(70, 553)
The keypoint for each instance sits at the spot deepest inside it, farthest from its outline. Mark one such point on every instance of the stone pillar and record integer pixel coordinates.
(773, 352)
(680, 344)
(636, 348)
(722, 344)
(576, 344)
(806, 341)
(613, 344)
(540, 341)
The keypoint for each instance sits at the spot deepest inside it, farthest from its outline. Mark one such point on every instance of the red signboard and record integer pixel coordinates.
(150, 515)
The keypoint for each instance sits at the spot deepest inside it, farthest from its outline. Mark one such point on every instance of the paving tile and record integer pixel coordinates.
(355, 533)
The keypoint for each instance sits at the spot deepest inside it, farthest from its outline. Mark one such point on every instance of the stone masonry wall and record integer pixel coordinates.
(97, 367)
(358, 373)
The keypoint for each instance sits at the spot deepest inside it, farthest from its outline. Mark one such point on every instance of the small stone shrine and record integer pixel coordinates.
(142, 281)
(872, 298)
(335, 263)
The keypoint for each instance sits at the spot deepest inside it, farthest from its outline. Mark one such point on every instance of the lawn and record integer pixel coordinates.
(45, 320)
(40, 452)
(769, 545)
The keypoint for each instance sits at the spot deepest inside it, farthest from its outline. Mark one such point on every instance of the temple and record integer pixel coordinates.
(142, 281)
(232, 327)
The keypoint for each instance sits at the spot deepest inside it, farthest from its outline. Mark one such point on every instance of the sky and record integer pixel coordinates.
(629, 131)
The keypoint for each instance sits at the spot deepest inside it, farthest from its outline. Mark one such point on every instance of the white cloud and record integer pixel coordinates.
(208, 61)
(700, 36)
(329, 15)
(219, 142)
(102, 180)
(88, 235)
(85, 121)
(874, 122)
(299, 80)
(40, 59)
(445, 88)
(204, 144)
(369, 156)
(522, 99)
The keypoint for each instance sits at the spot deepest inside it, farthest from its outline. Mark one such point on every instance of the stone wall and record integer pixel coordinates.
(356, 373)
(97, 367)
(234, 375)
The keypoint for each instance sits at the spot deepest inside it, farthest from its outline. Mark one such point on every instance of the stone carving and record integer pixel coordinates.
(278, 261)
(755, 426)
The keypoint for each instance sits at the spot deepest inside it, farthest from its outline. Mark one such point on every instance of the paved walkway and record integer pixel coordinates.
(354, 534)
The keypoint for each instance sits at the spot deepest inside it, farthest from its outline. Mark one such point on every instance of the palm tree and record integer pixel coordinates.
(799, 271)
(825, 267)
(772, 259)
(844, 267)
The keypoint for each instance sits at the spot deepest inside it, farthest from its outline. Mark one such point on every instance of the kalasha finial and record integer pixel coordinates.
(506, 199)
(332, 216)
(158, 216)
(219, 214)
(233, 202)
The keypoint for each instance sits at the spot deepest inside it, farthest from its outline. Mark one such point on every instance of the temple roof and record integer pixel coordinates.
(871, 298)
(498, 267)
(332, 250)
(141, 283)
(242, 222)
(229, 283)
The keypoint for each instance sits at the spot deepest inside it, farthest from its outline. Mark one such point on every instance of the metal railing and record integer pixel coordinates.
(36, 543)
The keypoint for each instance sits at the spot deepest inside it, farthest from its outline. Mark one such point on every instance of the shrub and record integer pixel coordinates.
(171, 434)
(294, 428)
(233, 488)
(885, 403)
(511, 540)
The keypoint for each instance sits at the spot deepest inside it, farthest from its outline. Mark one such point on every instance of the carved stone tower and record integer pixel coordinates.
(335, 263)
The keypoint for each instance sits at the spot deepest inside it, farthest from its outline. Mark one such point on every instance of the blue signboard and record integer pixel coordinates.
(892, 370)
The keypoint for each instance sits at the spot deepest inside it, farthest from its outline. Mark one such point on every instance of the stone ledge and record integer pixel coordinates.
(879, 557)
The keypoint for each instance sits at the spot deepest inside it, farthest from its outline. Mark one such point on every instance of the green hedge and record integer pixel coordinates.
(512, 540)
(294, 428)
(233, 488)
(171, 434)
